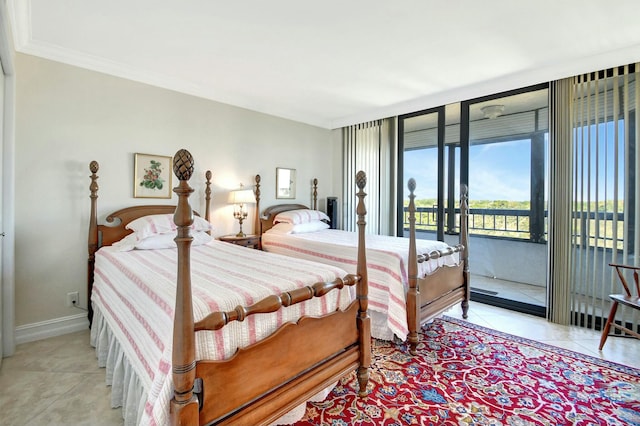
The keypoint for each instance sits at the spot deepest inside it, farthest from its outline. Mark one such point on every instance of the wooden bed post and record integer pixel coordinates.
(413, 294)
(256, 226)
(207, 198)
(364, 321)
(184, 408)
(464, 240)
(93, 236)
(315, 193)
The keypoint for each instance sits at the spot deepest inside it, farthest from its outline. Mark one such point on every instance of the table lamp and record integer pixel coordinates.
(240, 197)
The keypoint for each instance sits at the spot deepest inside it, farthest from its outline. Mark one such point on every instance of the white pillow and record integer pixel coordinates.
(154, 224)
(316, 225)
(158, 241)
(281, 228)
(300, 216)
(301, 228)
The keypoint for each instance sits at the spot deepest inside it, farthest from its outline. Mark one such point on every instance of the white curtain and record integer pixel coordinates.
(605, 204)
(369, 147)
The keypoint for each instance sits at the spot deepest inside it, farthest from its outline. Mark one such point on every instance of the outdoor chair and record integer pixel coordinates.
(629, 298)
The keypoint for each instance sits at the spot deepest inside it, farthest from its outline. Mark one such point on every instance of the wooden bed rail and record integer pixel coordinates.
(217, 320)
(436, 254)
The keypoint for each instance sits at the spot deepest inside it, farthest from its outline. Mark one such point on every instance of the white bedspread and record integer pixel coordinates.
(387, 263)
(135, 293)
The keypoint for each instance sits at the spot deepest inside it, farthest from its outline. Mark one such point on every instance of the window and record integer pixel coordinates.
(508, 144)
(506, 167)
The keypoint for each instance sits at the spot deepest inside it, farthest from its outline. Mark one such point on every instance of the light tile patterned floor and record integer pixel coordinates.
(520, 292)
(57, 382)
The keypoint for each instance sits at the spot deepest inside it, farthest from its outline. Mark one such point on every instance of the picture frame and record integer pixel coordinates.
(152, 176)
(285, 183)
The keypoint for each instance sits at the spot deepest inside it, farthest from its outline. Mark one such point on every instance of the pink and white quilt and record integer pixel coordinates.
(387, 264)
(135, 293)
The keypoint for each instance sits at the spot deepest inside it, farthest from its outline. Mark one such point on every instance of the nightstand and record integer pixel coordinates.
(251, 241)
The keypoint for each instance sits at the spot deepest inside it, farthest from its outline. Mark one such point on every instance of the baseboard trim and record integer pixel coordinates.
(51, 328)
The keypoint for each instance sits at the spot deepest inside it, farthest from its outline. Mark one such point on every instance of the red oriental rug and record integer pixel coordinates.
(466, 374)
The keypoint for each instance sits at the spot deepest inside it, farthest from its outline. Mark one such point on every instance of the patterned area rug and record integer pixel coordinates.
(466, 374)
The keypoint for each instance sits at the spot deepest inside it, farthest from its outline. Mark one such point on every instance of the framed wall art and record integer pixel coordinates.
(285, 183)
(152, 176)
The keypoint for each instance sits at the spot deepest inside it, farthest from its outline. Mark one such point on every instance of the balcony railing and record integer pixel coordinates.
(511, 223)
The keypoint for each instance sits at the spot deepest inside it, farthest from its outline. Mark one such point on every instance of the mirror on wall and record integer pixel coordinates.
(285, 183)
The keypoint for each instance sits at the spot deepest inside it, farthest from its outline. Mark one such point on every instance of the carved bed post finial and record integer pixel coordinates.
(184, 404)
(93, 235)
(207, 197)
(413, 308)
(315, 194)
(364, 322)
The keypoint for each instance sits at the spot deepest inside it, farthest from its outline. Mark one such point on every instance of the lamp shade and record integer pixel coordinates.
(241, 196)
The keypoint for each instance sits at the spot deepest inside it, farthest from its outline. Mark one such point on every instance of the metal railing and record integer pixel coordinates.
(494, 222)
(600, 228)
(512, 223)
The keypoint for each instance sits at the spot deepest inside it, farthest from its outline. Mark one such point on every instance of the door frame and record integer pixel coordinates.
(465, 135)
(7, 278)
(401, 184)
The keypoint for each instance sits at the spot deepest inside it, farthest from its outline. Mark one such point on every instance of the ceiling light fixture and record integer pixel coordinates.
(492, 111)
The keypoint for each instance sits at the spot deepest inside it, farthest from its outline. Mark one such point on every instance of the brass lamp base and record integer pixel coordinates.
(241, 216)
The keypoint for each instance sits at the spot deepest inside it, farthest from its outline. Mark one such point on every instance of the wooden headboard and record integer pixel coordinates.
(266, 217)
(266, 220)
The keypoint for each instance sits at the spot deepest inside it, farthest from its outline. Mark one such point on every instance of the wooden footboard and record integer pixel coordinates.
(429, 296)
(441, 290)
(265, 380)
(310, 355)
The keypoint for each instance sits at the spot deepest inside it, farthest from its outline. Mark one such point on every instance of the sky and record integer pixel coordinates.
(502, 171)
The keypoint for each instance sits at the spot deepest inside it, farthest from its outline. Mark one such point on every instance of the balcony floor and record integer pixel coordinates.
(534, 295)
(510, 290)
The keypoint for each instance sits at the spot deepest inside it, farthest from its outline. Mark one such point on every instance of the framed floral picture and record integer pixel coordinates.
(152, 176)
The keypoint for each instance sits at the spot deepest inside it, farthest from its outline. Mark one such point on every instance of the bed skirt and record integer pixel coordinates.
(126, 389)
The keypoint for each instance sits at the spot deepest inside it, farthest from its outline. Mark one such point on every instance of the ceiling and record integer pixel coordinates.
(332, 63)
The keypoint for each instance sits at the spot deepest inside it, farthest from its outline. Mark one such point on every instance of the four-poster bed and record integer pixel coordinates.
(254, 334)
(411, 281)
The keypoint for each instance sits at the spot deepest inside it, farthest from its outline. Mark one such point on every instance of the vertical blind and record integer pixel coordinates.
(605, 205)
(367, 147)
(559, 221)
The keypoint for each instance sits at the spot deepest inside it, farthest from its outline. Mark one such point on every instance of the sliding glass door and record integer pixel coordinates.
(498, 146)
(421, 158)
(507, 167)
(429, 147)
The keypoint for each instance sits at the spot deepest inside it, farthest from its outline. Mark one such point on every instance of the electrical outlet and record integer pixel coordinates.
(73, 299)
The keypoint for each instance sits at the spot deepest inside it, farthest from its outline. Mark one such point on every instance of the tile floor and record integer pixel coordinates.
(511, 290)
(57, 382)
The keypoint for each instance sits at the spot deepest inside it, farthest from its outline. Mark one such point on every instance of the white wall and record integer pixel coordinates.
(67, 116)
